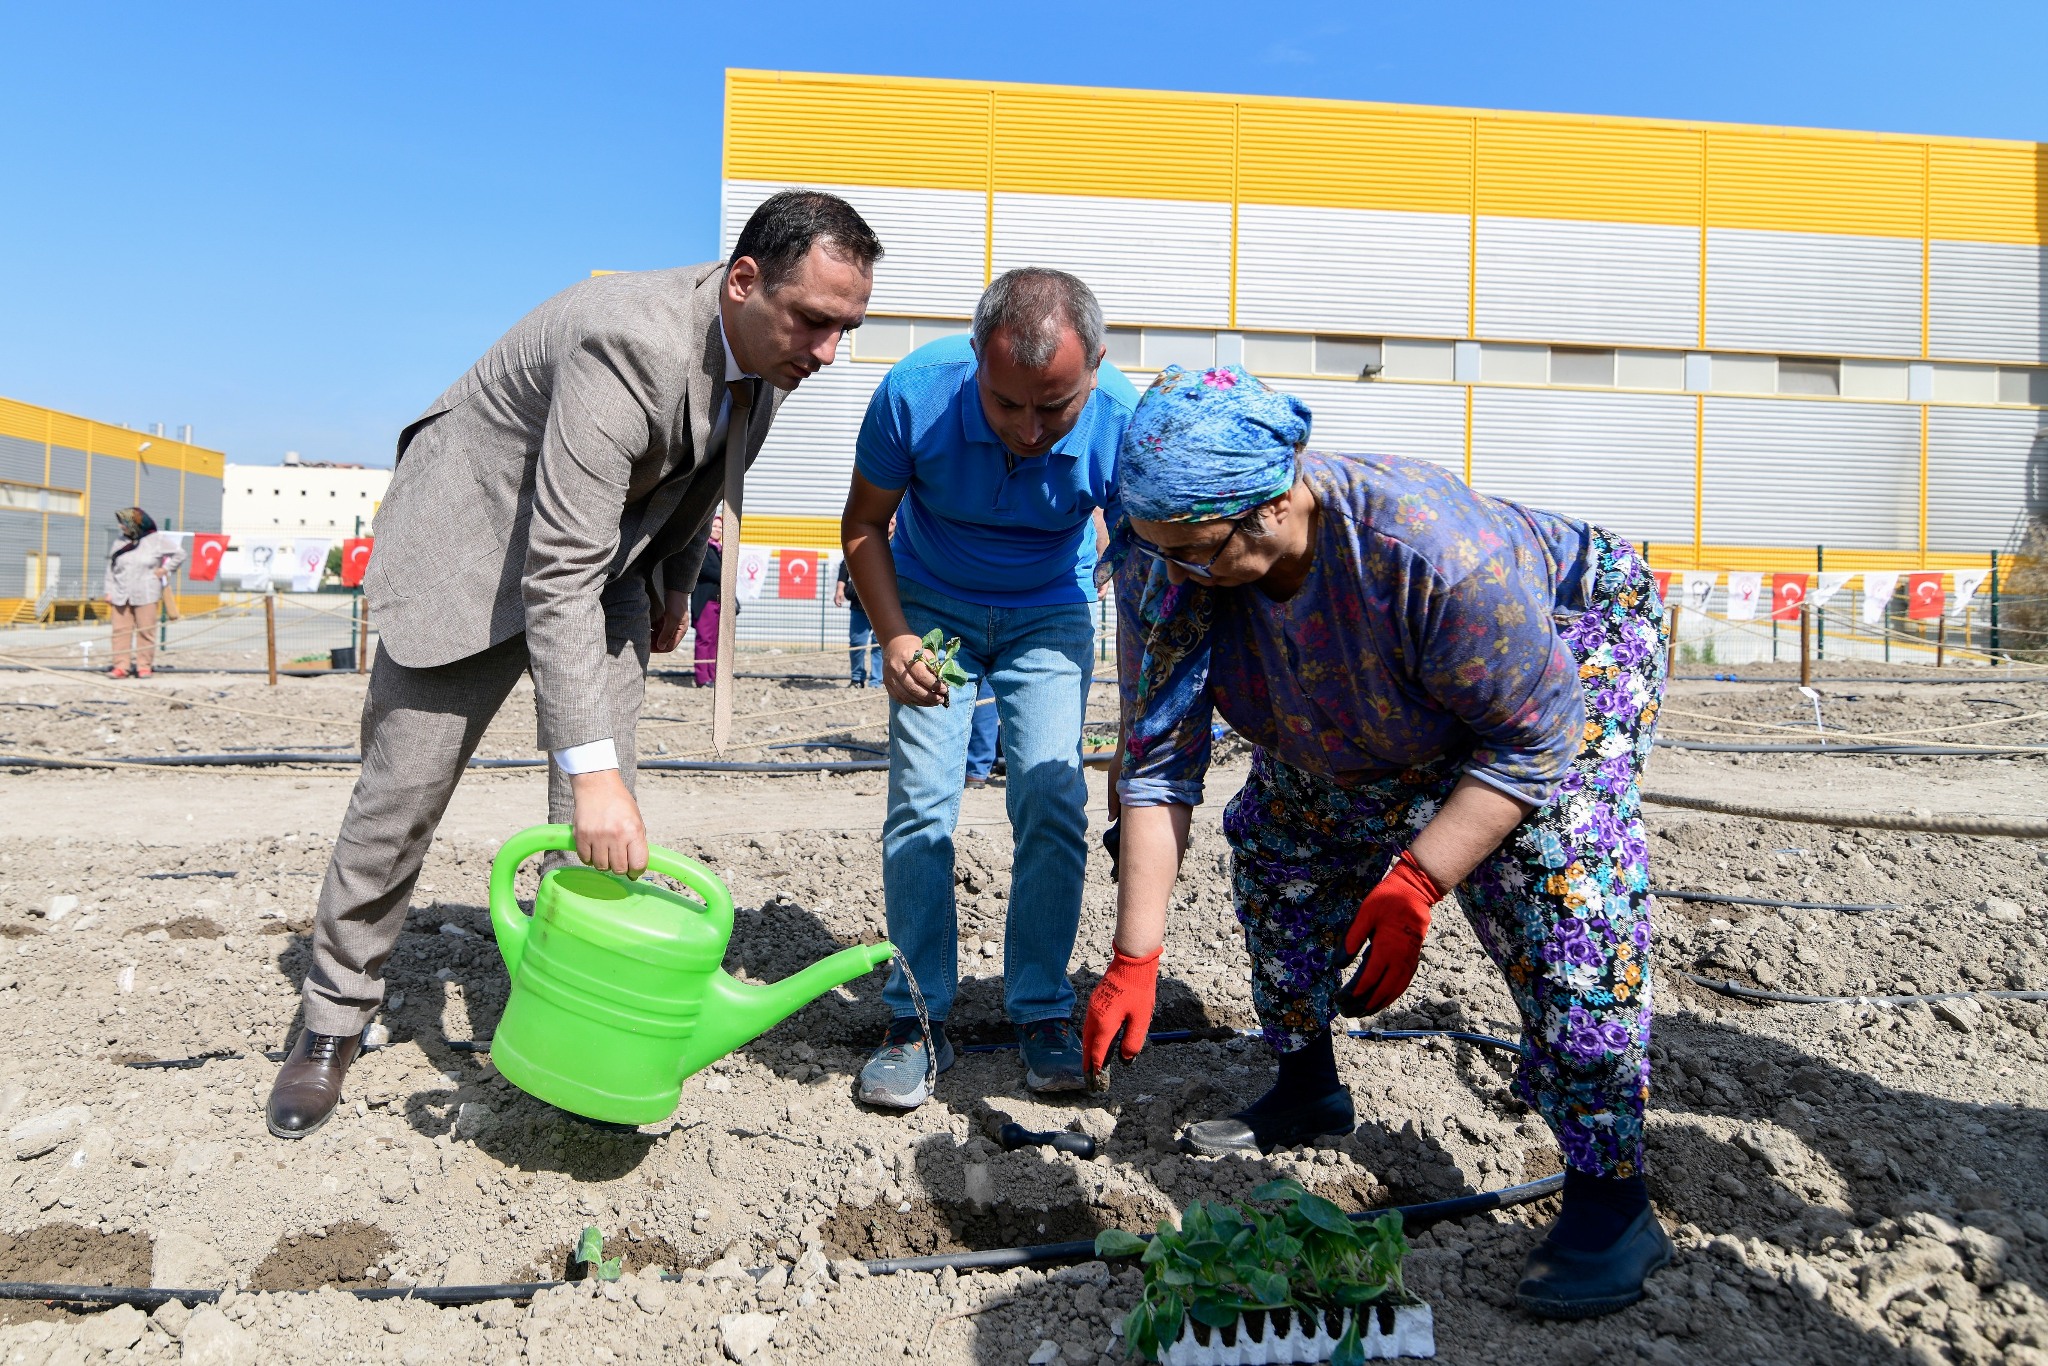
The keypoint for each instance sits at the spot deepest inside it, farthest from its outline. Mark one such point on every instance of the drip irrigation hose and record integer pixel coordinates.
(1863, 820)
(280, 758)
(1413, 1218)
(1851, 908)
(1852, 747)
(1727, 988)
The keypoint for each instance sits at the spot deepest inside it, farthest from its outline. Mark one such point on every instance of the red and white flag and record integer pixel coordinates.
(1788, 591)
(1923, 596)
(1663, 578)
(207, 548)
(799, 576)
(355, 560)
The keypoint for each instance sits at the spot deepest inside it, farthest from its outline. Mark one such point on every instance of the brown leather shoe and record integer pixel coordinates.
(309, 1083)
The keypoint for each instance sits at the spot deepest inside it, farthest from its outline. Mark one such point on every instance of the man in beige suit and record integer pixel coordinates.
(536, 513)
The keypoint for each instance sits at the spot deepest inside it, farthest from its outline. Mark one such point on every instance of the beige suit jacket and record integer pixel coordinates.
(568, 467)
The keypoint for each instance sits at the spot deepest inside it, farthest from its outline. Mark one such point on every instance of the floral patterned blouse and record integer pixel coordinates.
(1427, 627)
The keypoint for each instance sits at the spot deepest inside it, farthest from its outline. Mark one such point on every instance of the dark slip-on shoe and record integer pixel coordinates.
(1563, 1283)
(308, 1084)
(1263, 1131)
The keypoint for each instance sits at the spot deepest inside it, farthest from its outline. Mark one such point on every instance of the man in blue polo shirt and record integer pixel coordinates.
(995, 455)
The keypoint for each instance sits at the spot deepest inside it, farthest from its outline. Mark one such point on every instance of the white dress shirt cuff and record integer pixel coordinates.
(592, 757)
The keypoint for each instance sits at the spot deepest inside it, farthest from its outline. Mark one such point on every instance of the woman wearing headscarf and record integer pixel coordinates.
(1446, 693)
(140, 564)
(704, 604)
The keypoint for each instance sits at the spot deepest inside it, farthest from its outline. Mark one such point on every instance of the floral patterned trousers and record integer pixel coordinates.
(1562, 907)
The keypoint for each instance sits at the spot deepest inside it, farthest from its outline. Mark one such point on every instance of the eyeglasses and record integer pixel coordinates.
(1206, 568)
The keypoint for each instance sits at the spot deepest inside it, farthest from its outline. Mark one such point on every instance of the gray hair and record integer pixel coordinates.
(1036, 306)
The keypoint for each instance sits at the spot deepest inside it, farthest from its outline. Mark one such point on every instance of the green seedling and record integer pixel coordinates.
(1307, 1257)
(590, 1252)
(939, 654)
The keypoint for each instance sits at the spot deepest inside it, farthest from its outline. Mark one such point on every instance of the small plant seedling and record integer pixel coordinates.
(590, 1252)
(938, 655)
(1308, 1257)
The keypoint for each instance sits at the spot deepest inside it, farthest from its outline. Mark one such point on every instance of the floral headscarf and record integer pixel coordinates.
(1208, 444)
(135, 524)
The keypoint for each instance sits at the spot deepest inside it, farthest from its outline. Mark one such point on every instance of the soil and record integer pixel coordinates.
(1845, 1183)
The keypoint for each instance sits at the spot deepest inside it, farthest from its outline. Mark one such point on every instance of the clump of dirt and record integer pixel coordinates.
(935, 1226)
(71, 1254)
(637, 1249)
(344, 1255)
(184, 927)
(15, 930)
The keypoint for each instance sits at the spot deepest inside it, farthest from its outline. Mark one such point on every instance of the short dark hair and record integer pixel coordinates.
(785, 226)
(1039, 306)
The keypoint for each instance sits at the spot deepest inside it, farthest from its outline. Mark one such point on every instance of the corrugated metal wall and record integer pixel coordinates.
(1786, 473)
(159, 496)
(1148, 260)
(1607, 284)
(804, 468)
(1424, 421)
(1624, 461)
(1988, 301)
(934, 240)
(1982, 466)
(21, 460)
(1366, 271)
(1816, 292)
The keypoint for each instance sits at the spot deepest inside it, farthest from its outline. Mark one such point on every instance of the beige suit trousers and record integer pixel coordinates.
(420, 727)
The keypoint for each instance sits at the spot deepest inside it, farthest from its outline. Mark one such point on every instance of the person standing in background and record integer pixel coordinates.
(864, 653)
(984, 737)
(141, 563)
(704, 603)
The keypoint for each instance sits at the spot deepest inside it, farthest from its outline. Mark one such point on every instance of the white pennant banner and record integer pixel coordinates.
(1877, 596)
(1743, 591)
(753, 572)
(1831, 583)
(1967, 583)
(1699, 586)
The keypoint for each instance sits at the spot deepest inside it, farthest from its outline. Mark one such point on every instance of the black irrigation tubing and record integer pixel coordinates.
(279, 758)
(1850, 907)
(1727, 988)
(1855, 748)
(1413, 1218)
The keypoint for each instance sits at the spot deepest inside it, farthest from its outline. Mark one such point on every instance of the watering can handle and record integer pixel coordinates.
(512, 924)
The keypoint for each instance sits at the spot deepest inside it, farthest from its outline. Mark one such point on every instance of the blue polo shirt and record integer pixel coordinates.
(978, 523)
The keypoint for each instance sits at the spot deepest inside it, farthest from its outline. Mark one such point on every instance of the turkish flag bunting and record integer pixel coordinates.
(1663, 578)
(799, 578)
(207, 548)
(1923, 596)
(355, 560)
(1788, 591)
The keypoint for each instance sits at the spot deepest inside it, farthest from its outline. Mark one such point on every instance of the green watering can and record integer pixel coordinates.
(617, 993)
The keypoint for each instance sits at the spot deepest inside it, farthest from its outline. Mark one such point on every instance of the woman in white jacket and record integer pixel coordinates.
(141, 563)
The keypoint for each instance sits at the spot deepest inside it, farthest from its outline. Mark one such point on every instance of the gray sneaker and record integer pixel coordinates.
(1052, 1056)
(896, 1073)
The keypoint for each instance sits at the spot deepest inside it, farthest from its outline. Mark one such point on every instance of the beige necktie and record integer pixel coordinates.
(742, 391)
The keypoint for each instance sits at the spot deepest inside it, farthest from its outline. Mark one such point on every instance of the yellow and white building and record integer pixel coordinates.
(61, 479)
(1734, 343)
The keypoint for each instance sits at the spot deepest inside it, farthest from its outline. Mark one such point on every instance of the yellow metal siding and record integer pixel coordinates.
(1111, 142)
(838, 131)
(1988, 193)
(1531, 167)
(1796, 181)
(47, 425)
(1330, 156)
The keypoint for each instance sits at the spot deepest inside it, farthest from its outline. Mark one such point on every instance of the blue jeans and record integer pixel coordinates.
(981, 737)
(866, 654)
(1038, 662)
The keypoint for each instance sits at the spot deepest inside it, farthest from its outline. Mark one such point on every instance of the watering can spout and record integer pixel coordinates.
(735, 1012)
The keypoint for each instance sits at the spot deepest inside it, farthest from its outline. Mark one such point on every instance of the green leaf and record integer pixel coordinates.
(952, 673)
(1353, 1294)
(1214, 1314)
(1176, 1275)
(932, 639)
(1349, 1351)
(1285, 1188)
(1115, 1242)
(1324, 1215)
(590, 1247)
(1269, 1286)
(610, 1267)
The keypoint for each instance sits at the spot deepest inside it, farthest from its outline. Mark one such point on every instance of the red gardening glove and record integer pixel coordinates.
(1123, 999)
(1393, 918)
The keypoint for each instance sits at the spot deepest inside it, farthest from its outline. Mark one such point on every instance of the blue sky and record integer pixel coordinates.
(293, 226)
